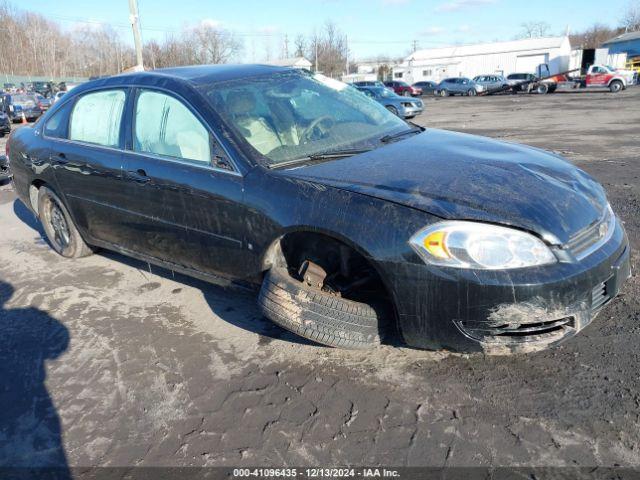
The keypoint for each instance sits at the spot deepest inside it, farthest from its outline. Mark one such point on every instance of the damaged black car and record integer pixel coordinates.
(356, 225)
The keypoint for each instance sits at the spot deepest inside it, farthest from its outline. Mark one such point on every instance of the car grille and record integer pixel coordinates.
(592, 237)
(521, 332)
(599, 296)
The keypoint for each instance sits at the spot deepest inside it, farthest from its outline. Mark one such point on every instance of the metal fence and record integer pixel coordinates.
(18, 79)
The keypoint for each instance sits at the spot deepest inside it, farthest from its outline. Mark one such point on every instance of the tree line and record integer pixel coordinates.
(38, 46)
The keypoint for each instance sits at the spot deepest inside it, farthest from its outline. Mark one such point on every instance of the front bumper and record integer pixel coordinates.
(412, 111)
(511, 311)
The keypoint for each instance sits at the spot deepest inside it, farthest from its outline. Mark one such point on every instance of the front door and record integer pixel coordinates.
(185, 208)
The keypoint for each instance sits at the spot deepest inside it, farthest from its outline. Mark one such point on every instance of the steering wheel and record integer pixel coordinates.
(307, 134)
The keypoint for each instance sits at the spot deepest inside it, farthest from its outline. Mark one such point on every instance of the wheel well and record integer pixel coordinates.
(33, 193)
(348, 270)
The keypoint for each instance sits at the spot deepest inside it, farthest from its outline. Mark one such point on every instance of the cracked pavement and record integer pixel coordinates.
(110, 362)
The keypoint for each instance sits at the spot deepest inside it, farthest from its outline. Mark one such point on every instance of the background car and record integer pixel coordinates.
(57, 96)
(458, 86)
(15, 104)
(400, 106)
(427, 87)
(5, 124)
(491, 82)
(517, 81)
(403, 88)
(369, 83)
(5, 172)
(44, 102)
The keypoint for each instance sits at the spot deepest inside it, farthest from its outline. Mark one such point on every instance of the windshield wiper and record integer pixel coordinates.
(394, 136)
(318, 157)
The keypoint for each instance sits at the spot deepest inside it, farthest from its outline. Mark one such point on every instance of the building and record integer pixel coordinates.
(295, 62)
(503, 58)
(628, 43)
(371, 70)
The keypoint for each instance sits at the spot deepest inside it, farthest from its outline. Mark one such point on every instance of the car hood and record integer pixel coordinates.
(458, 176)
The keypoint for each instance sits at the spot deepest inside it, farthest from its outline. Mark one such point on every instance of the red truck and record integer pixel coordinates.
(598, 76)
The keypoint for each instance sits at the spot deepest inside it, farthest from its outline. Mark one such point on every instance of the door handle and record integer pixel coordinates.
(138, 175)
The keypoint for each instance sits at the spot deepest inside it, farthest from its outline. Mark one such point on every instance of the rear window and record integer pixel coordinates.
(96, 118)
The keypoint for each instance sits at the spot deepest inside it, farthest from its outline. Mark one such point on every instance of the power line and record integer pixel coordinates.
(238, 33)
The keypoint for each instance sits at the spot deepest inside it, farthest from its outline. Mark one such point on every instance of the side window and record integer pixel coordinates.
(96, 118)
(165, 126)
(56, 126)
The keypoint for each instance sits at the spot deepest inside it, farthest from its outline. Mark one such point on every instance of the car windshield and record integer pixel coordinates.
(293, 115)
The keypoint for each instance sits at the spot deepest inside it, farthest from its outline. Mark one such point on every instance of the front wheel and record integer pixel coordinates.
(406, 93)
(317, 315)
(616, 86)
(62, 234)
(393, 110)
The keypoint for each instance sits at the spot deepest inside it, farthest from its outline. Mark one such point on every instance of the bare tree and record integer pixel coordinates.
(534, 29)
(300, 45)
(213, 45)
(332, 50)
(594, 36)
(631, 16)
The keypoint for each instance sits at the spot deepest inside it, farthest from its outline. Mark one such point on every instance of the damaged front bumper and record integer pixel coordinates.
(511, 311)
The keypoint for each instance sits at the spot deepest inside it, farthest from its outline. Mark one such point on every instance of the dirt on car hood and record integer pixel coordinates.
(466, 177)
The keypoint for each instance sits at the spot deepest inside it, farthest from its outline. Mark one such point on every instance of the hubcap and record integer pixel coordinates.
(59, 225)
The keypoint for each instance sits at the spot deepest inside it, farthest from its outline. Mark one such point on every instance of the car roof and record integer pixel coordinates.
(193, 75)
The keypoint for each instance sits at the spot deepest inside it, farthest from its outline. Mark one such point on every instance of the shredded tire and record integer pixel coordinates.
(317, 315)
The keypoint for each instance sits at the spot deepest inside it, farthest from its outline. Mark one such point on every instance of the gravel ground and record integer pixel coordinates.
(109, 362)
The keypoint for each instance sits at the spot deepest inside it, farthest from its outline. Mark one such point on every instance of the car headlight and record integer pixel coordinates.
(480, 246)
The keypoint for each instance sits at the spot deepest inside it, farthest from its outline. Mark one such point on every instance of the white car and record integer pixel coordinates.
(58, 96)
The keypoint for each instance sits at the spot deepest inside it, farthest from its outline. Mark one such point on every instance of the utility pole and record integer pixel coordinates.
(316, 48)
(415, 46)
(346, 47)
(286, 46)
(135, 25)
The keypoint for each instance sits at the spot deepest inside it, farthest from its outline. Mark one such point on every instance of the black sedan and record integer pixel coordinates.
(354, 223)
(427, 87)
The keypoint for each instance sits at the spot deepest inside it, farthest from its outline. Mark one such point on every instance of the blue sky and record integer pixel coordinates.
(373, 26)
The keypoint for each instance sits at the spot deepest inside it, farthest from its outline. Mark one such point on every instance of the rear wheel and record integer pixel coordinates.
(406, 93)
(444, 93)
(62, 234)
(471, 93)
(616, 86)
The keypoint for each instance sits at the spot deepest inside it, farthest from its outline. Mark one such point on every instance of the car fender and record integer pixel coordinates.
(617, 78)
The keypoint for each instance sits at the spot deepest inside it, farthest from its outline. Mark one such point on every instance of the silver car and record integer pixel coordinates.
(458, 86)
(491, 82)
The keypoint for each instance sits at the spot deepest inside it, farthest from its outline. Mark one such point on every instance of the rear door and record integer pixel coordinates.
(184, 191)
(85, 138)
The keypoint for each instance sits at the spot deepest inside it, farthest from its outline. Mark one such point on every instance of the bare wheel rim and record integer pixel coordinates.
(59, 225)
